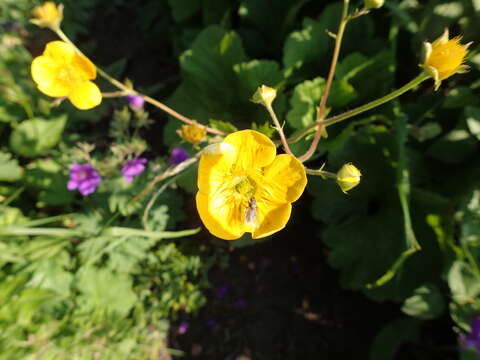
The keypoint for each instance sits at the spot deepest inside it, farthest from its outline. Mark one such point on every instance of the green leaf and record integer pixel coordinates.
(208, 64)
(183, 9)
(35, 136)
(365, 256)
(464, 285)
(304, 103)
(426, 303)
(392, 336)
(50, 274)
(311, 44)
(372, 77)
(6, 116)
(210, 84)
(454, 147)
(10, 215)
(460, 97)
(306, 99)
(472, 117)
(224, 126)
(266, 128)
(9, 169)
(255, 73)
(49, 182)
(105, 290)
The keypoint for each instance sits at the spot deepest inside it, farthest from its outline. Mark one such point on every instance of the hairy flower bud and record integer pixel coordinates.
(348, 177)
(373, 4)
(264, 95)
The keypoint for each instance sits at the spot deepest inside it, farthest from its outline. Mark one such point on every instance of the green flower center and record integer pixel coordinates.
(245, 187)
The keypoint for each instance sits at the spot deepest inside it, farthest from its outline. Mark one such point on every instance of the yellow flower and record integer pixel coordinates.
(444, 57)
(61, 71)
(348, 177)
(48, 15)
(192, 133)
(243, 186)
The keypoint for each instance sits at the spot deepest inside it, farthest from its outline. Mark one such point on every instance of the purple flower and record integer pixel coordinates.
(135, 101)
(211, 323)
(472, 340)
(240, 303)
(178, 156)
(183, 327)
(222, 290)
(132, 168)
(83, 177)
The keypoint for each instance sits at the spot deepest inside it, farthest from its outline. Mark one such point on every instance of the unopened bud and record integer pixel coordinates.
(48, 15)
(264, 95)
(348, 177)
(373, 4)
(192, 133)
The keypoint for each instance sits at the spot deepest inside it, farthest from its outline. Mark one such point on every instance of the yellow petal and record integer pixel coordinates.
(221, 216)
(44, 72)
(214, 168)
(284, 179)
(60, 51)
(271, 218)
(254, 150)
(85, 95)
(84, 67)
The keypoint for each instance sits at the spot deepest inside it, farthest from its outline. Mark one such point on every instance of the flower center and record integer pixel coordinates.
(245, 187)
(67, 75)
(82, 175)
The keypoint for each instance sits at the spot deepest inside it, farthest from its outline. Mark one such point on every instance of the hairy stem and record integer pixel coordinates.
(328, 84)
(346, 115)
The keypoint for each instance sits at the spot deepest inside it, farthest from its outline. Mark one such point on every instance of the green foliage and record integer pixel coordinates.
(29, 140)
(9, 169)
(426, 303)
(392, 336)
(105, 281)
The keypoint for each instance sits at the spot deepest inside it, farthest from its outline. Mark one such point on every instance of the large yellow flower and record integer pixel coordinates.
(444, 57)
(245, 187)
(61, 71)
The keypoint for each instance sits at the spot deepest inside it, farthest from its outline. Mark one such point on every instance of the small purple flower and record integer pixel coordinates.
(211, 323)
(83, 177)
(222, 290)
(472, 340)
(183, 327)
(178, 156)
(133, 168)
(240, 303)
(135, 101)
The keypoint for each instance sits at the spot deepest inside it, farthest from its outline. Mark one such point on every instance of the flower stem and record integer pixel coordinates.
(279, 129)
(148, 99)
(328, 84)
(346, 115)
(324, 174)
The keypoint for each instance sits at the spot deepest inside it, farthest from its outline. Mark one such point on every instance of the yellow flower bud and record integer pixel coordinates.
(264, 95)
(192, 133)
(348, 177)
(444, 57)
(48, 15)
(373, 4)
